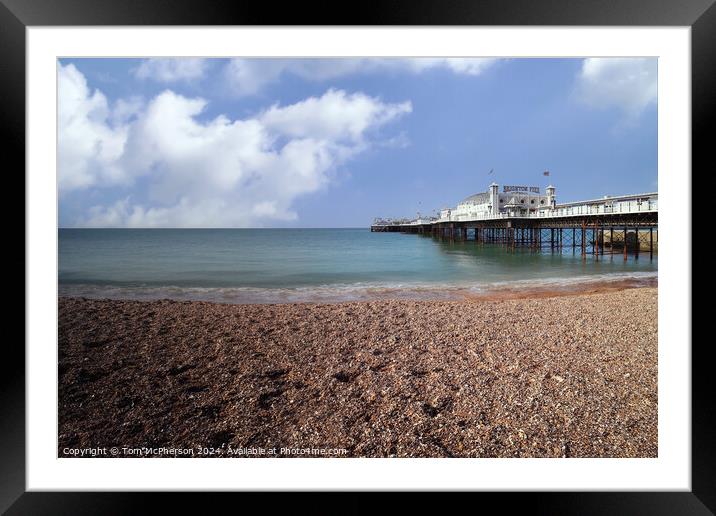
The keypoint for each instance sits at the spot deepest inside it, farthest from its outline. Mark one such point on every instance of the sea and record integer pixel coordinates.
(317, 265)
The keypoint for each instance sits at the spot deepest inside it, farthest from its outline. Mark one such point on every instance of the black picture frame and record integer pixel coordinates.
(16, 15)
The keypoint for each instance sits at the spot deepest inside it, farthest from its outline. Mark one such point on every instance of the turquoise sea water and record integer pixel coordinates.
(287, 265)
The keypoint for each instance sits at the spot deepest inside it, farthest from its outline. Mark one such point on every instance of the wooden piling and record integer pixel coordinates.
(611, 240)
(625, 243)
(574, 240)
(651, 243)
(595, 232)
(560, 240)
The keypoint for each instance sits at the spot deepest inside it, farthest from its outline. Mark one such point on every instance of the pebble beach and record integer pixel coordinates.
(546, 376)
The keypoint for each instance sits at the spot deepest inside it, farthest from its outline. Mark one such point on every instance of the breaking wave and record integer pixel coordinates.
(335, 293)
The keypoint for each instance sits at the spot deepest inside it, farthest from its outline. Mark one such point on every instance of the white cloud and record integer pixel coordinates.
(399, 141)
(126, 109)
(629, 84)
(89, 147)
(166, 69)
(249, 76)
(335, 116)
(458, 65)
(217, 173)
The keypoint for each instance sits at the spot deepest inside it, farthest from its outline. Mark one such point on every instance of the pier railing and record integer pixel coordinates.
(635, 206)
(601, 209)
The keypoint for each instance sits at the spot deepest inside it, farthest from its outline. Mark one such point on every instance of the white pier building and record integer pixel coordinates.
(529, 202)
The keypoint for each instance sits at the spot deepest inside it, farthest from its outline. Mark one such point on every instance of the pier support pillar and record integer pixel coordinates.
(625, 243)
(651, 243)
(596, 241)
(574, 240)
(611, 240)
(560, 240)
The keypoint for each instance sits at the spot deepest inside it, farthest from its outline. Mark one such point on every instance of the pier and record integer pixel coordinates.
(621, 225)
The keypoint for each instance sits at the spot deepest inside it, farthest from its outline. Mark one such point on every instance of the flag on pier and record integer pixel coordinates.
(546, 173)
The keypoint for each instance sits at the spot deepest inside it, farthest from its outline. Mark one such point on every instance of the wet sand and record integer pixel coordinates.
(552, 375)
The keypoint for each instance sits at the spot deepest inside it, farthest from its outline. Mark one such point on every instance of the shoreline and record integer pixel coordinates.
(564, 376)
(332, 294)
(572, 290)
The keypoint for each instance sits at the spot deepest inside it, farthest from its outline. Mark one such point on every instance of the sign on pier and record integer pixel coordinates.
(531, 189)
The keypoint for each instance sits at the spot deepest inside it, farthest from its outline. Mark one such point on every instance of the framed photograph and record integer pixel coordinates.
(420, 252)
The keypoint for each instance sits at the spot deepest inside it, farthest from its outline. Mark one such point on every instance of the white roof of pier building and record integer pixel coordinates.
(478, 198)
(528, 202)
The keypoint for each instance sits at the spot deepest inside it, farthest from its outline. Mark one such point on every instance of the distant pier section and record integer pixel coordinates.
(522, 216)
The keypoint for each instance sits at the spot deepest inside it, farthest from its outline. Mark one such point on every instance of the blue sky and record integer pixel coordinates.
(334, 143)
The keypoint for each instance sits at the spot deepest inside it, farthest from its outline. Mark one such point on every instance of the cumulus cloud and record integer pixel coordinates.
(125, 110)
(165, 69)
(249, 76)
(89, 146)
(210, 173)
(458, 65)
(334, 116)
(629, 84)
